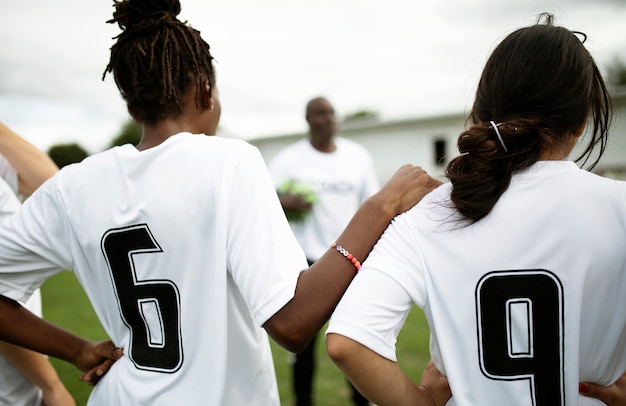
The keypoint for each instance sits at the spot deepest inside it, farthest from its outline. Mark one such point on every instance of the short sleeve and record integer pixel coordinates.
(9, 174)
(9, 202)
(377, 303)
(264, 257)
(372, 312)
(33, 244)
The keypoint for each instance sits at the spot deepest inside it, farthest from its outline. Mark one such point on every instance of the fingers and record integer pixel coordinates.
(416, 176)
(593, 391)
(109, 350)
(410, 170)
(611, 395)
(96, 359)
(92, 376)
(435, 384)
(408, 186)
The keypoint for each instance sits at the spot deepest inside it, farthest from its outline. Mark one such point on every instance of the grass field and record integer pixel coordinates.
(65, 304)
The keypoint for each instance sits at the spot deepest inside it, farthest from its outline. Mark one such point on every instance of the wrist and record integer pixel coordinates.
(52, 384)
(428, 397)
(385, 207)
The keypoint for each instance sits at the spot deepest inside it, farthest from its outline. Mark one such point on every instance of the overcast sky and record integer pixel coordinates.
(400, 58)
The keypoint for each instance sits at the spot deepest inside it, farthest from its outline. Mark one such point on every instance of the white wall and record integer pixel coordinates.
(394, 143)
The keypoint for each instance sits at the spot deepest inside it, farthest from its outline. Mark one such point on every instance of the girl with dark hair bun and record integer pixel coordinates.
(519, 262)
(539, 109)
(180, 242)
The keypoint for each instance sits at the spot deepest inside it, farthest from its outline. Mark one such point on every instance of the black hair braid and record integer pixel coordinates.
(139, 15)
(156, 58)
(483, 170)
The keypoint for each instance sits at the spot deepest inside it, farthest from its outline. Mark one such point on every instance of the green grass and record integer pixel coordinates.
(66, 304)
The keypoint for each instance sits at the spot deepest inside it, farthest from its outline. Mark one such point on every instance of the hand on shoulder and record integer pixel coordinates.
(406, 188)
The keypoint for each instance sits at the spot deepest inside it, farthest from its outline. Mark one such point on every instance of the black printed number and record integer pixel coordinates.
(150, 308)
(520, 331)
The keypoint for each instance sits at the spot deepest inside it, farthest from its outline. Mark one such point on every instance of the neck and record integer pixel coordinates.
(156, 134)
(561, 150)
(556, 154)
(325, 145)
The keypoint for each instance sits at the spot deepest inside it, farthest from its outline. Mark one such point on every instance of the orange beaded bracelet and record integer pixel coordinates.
(346, 254)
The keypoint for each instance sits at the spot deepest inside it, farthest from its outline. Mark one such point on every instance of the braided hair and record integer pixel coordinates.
(539, 86)
(156, 58)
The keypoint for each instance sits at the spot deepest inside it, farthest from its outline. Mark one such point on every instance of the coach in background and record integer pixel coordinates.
(321, 182)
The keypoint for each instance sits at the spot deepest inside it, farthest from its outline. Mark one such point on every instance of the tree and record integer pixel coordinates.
(65, 154)
(130, 134)
(361, 115)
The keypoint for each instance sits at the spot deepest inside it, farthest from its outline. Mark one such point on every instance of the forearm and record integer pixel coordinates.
(33, 166)
(34, 366)
(380, 380)
(320, 287)
(22, 328)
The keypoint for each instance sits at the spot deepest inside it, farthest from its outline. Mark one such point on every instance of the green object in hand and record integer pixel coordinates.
(303, 189)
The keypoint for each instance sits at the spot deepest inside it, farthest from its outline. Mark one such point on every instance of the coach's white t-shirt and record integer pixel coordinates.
(184, 252)
(342, 180)
(522, 305)
(15, 389)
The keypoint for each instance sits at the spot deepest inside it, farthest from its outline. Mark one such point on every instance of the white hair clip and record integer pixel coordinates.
(495, 127)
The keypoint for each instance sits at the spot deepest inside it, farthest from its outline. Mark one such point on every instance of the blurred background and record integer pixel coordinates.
(397, 59)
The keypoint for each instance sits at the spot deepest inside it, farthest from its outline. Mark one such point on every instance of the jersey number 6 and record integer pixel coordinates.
(520, 331)
(150, 308)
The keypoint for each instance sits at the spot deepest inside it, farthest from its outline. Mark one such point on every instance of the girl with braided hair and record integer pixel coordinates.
(180, 242)
(519, 261)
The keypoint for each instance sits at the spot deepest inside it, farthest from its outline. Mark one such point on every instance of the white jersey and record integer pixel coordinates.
(522, 305)
(184, 252)
(342, 180)
(9, 175)
(15, 389)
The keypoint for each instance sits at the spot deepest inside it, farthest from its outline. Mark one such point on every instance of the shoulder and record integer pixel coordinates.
(292, 152)
(213, 142)
(434, 212)
(583, 181)
(356, 154)
(93, 165)
(188, 149)
(300, 145)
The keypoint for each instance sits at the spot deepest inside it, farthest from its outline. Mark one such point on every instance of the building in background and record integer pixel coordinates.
(430, 142)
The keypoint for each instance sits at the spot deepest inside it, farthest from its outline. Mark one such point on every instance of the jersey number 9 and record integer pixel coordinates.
(520, 331)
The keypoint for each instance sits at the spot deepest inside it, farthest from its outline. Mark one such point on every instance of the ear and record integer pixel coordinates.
(579, 131)
(206, 100)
